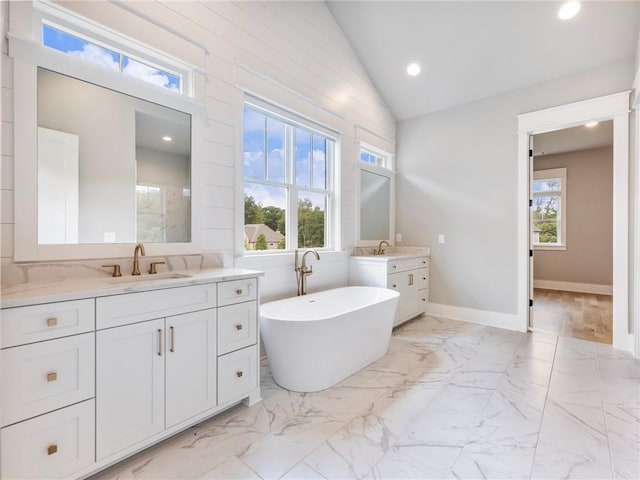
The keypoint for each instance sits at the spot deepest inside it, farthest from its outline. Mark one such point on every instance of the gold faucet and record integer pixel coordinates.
(303, 271)
(136, 267)
(380, 250)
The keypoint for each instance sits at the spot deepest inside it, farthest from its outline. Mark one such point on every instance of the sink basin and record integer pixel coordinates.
(149, 278)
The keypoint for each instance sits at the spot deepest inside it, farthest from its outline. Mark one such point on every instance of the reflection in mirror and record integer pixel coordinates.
(105, 173)
(375, 197)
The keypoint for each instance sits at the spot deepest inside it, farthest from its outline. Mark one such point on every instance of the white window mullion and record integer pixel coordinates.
(292, 228)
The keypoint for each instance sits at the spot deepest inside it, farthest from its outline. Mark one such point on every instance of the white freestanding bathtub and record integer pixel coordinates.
(314, 341)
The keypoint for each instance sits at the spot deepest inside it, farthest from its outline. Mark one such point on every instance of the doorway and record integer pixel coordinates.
(572, 232)
(613, 107)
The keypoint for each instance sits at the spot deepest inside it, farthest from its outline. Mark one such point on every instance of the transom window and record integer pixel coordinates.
(549, 207)
(287, 182)
(93, 51)
(372, 158)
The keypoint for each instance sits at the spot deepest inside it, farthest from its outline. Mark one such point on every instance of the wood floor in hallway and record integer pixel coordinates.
(585, 316)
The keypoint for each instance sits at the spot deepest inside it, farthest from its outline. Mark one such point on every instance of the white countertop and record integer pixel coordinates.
(392, 253)
(33, 293)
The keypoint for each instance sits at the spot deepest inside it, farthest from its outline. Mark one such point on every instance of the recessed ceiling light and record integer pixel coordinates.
(569, 9)
(413, 69)
(167, 138)
(590, 124)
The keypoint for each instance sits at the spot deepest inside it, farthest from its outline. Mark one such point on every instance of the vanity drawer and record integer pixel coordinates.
(236, 291)
(129, 308)
(44, 376)
(237, 327)
(22, 325)
(423, 278)
(55, 445)
(407, 264)
(237, 374)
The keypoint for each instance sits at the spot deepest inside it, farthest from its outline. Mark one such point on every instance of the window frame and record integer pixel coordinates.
(293, 121)
(549, 174)
(46, 13)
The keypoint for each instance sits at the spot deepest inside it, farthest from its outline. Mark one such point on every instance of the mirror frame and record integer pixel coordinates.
(27, 57)
(390, 174)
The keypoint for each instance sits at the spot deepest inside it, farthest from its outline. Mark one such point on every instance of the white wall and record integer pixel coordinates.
(292, 53)
(457, 176)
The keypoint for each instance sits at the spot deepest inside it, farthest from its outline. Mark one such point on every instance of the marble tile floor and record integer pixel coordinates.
(448, 400)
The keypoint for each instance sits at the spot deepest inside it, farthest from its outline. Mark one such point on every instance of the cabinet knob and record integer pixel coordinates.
(52, 376)
(239, 291)
(239, 373)
(52, 322)
(394, 285)
(51, 449)
(424, 262)
(395, 266)
(238, 326)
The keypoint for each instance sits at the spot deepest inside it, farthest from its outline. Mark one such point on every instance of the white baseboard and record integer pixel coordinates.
(508, 321)
(573, 287)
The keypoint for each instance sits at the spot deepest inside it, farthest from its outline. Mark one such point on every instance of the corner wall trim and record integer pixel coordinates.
(573, 287)
(507, 321)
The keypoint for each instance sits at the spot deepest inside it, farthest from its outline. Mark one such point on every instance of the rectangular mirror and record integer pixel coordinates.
(112, 168)
(375, 206)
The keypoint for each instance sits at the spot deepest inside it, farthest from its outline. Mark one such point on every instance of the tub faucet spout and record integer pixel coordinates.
(302, 270)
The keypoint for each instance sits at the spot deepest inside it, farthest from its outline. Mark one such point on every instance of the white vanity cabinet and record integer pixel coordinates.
(90, 381)
(408, 275)
(47, 389)
(153, 375)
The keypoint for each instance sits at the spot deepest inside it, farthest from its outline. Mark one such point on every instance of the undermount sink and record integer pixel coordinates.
(149, 278)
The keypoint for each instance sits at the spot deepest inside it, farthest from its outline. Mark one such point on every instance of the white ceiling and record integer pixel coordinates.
(573, 139)
(476, 49)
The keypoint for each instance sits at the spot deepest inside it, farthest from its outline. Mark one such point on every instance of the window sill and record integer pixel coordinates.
(550, 247)
(258, 260)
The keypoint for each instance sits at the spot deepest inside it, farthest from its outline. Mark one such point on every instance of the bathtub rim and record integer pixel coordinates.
(392, 294)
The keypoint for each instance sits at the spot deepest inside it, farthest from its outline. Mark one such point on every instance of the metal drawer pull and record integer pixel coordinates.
(52, 322)
(159, 342)
(51, 449)
(239, 291)
(239, 373)
(52, 376)
(411, 279)
(172, 347)
(238, 326)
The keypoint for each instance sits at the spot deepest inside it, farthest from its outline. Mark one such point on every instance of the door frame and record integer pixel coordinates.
(610, 107)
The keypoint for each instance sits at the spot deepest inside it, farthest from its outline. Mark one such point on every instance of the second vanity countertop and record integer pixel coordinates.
(392, 253)
(34, 293)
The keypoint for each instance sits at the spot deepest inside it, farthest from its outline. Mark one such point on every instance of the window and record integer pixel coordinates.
(109, 57)
(549, 208)
(372, 158)
(287, 183)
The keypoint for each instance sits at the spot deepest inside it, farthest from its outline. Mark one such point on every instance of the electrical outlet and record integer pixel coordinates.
(398, 237)
(441, 238)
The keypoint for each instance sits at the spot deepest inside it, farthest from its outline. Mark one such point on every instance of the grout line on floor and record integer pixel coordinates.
(544, 406)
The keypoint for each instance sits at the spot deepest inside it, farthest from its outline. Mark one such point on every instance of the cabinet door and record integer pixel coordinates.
(129, 385)
(406, 284)
(190, 365)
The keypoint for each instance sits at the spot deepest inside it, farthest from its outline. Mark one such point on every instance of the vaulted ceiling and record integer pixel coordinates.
(476, 49)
